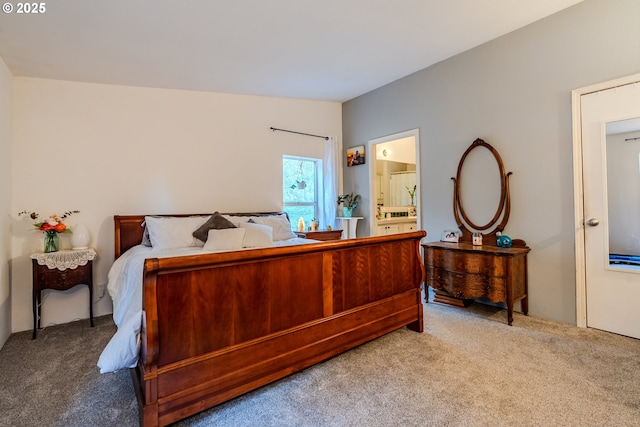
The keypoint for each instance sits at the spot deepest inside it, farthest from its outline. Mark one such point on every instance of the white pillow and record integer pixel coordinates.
(237, 219)
(279, 223)
(227, 239)
(174, 232)
(257, 235)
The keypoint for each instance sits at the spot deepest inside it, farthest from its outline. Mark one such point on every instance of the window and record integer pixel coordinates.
(301, 187)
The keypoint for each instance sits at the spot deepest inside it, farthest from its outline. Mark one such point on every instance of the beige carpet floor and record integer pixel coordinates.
(469, 368)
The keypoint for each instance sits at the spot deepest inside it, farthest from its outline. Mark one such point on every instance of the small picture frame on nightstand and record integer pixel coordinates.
(449, 236)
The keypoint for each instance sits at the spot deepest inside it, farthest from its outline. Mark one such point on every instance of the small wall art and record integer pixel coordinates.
(355, 156)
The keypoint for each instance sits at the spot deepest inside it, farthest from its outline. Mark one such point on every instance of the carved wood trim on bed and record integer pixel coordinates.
(222, 324)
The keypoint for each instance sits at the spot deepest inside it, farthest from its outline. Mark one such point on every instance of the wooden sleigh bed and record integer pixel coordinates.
(218, 325)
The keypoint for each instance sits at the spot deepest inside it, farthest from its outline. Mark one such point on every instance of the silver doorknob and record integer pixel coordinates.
(593, 222)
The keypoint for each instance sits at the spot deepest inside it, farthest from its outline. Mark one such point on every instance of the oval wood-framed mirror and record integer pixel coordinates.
(462, 216)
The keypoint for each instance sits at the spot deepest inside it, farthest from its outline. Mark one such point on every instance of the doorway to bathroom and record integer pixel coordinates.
(395, 183)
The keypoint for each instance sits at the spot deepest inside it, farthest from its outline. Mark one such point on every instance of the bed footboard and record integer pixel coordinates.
(219, 325)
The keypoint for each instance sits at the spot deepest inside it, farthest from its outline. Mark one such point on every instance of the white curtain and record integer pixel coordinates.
(398, 188)
(330, 174)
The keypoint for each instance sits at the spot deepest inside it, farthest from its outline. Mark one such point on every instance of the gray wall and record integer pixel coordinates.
(515, 93)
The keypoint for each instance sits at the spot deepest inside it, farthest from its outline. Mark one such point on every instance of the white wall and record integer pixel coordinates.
(108, 150)
(515, 93)
(401, 150)
(6, 97)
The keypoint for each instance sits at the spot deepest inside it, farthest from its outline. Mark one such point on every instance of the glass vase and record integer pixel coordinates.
(51, 242)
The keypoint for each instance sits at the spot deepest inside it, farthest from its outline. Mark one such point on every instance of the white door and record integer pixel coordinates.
(611, 178)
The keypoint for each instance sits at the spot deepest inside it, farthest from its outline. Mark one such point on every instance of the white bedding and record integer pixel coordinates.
(125, 288)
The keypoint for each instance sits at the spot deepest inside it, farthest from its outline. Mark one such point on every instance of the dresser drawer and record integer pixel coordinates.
(467, 285)
(473, 263)
(62, 280)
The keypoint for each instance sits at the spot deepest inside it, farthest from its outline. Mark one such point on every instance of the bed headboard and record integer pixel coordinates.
(129, 230)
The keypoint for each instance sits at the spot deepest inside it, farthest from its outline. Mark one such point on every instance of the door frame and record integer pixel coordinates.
(371, 147)
(578, 189)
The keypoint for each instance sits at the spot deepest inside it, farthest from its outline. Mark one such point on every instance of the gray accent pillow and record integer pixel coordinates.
(146, 240)
(216, 222)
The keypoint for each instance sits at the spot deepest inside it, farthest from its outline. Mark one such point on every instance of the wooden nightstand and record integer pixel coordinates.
(320, 234)
(60, 271)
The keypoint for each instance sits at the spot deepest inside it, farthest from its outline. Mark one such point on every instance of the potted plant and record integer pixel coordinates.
(300, 185)
(349, 203)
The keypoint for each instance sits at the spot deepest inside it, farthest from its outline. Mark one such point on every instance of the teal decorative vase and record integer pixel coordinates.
(51, 242)
(347, 212)
(504, 241)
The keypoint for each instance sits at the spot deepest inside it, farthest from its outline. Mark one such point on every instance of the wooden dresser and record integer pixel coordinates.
(465, 271)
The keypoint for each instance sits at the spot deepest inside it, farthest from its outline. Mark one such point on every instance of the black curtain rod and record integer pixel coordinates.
(299, 133)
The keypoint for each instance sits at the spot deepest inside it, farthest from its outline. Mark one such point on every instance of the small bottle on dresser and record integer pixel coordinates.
(476, 239)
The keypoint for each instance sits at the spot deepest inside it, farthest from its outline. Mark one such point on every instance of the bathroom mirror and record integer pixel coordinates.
(481, 201)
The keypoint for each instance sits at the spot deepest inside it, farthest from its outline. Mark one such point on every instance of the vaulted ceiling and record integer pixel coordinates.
(331, 50)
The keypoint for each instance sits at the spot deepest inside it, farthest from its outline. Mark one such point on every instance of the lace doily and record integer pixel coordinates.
(62, 260)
